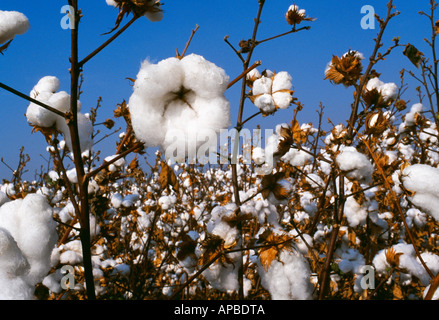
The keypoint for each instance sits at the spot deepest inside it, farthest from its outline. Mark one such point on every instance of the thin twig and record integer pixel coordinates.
(41, 104)
(188, 43)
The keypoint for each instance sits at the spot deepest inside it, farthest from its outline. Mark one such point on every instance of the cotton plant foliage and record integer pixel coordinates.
(179, 104)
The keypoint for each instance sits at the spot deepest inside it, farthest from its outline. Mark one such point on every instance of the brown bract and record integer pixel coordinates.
(137, 7)
(270, 184)
(345, 70)
(275, 244)
(295, 16)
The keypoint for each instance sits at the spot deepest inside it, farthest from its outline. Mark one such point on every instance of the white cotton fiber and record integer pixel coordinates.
(12, 23)
(266, 103)
(354, 212)
(389, 91)
(3, 198)
(179, 105)
(12, 261)
(262, 86)
(407, 261)
(423, 180)
(203, 77)
(48, 84)
(85, 130)
(27, 238)
(32, 226)
(355, 165)
(287, 278)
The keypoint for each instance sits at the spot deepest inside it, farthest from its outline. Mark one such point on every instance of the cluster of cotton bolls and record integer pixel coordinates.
(179, 105)
(12, 23)
(46, 91)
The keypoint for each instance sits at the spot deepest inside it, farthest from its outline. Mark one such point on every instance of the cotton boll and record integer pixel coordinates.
(296, 157)
(389, 91)
(282, 81)
(224, 277)
(262, 86)
(282, 99)
(266, 103)
(158, 81)
(39, 116)
(116, 200)
(12, 261)
(48, 84)
(3, 198)
(177, 103)
(148, 123)
(111, 3)
(85, 130)
(203, 77)
(354, 212)
(423, 180)
(355, 164)
(12, 23)
(258, 155)
(287, 278)
(37, 242)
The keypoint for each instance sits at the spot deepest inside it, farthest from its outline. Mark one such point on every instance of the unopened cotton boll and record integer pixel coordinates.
(12, 23)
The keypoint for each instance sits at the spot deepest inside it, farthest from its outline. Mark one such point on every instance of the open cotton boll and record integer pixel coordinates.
(3, 198)
(85, 130)
(40, 116)
(423, 180)
(49, 84)
(266, 103)
(36, 242)
(219, 227)
(407, 261)
(224, 277)
(262, 86)
(287, 278)
(282, 81)
(387, 90)
(354, 212)
(355, 164)
(203, 77)
(111, 3)
(12, 23)
(177, 103)
(12, 261)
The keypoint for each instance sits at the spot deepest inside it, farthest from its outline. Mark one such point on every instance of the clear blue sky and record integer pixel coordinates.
(44, 50)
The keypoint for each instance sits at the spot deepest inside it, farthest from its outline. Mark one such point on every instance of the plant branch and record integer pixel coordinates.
(106, 43)
(41, 104)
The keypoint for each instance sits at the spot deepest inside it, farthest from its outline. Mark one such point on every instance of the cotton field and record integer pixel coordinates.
(349, 213)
